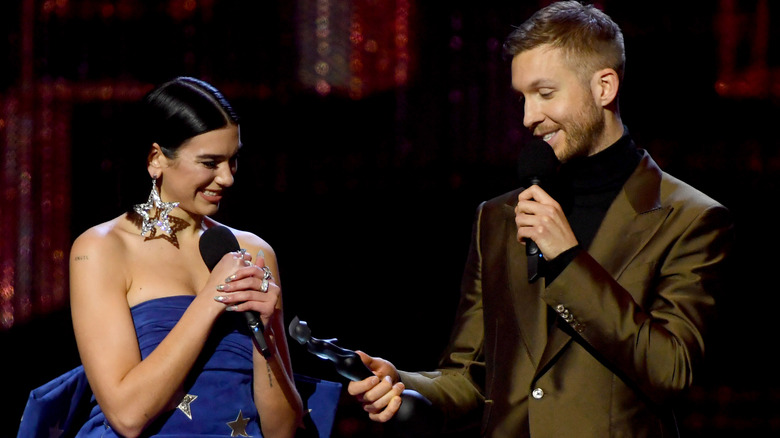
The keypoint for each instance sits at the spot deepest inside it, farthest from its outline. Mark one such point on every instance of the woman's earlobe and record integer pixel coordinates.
(154, 157)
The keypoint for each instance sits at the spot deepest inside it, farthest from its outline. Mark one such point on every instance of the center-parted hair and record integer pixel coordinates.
(589, 38)
(180, 109)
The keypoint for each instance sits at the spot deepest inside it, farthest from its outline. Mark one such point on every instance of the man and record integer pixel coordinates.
(616, 329)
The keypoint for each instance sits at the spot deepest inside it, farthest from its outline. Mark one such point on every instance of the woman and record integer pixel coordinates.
(162, 340)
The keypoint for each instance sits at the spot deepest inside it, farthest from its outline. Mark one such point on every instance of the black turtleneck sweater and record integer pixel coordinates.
(586, 188)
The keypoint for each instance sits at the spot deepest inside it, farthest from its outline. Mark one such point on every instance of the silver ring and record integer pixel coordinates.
(266, 273)
(264, 285)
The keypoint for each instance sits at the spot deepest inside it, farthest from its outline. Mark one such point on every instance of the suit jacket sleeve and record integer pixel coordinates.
(648, 319)
(457, 386)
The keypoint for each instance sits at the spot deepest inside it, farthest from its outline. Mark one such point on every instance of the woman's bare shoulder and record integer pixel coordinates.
(107, 240)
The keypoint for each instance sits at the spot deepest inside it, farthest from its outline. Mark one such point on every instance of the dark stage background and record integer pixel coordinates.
(365, 159)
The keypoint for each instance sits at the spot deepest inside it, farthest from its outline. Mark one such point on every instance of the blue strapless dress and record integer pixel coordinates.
(219, 400)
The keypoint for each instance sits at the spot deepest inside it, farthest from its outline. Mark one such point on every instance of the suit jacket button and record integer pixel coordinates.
(560, 308)
(537, 393)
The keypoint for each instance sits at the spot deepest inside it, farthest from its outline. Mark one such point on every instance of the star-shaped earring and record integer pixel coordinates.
(163, 209)
(177, 224)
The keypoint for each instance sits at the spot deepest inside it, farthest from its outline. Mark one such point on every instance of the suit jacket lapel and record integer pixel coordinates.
(630, 222)
(530, 309)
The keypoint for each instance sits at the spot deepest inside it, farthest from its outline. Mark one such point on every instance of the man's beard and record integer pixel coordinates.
(583, 131)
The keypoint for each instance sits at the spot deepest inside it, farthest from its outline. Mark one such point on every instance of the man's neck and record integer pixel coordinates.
(613, 130)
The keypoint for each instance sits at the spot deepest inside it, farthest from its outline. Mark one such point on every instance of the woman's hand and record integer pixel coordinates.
(249, 287)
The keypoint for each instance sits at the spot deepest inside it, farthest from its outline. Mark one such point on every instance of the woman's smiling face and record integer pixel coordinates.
(203, 168)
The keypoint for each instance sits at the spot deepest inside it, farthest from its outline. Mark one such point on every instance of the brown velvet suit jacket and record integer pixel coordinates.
(601, 351)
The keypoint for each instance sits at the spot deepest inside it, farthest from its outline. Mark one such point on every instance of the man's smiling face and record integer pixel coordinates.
(559, 106)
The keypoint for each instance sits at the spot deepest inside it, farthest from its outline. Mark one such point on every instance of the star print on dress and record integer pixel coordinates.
(238, 427)
(184, 406)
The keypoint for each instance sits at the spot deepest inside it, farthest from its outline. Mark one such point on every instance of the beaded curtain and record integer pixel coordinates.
(351, 49)
(35, 181)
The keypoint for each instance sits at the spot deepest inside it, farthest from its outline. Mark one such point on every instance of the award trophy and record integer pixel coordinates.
(415, 418)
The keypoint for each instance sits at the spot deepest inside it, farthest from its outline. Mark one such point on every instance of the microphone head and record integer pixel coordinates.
(536, 161)
(215, 243)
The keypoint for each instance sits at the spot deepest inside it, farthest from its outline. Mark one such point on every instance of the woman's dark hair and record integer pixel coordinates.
(180, 109)
(168, 115)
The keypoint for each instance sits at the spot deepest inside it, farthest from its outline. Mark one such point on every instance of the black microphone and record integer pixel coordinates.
(537, 164)
(214, 243)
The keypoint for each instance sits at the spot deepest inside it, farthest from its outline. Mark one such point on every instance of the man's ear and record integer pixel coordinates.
(156, 161)
(605, 84)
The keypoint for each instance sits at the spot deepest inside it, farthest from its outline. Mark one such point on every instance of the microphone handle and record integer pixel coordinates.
(256, 326)
(214, 243)
(531, 249)
(533, 255)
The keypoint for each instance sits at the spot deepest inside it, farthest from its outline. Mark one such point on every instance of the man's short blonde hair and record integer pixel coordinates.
(588, 37)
